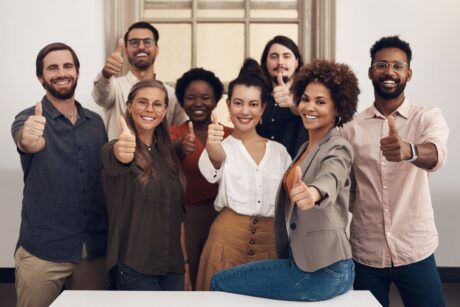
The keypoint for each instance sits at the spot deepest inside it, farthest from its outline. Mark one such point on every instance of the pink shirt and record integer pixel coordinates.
(391, 203)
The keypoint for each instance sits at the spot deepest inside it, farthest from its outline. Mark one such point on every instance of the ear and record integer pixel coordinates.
(409, 75)
(41, 80)
(369, 73)
(296, 64)
(130, 107)
(157, 50)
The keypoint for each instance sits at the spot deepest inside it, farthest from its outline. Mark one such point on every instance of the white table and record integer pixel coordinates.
(197, 299)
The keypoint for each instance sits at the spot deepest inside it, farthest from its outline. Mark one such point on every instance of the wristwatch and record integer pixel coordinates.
(413, 149)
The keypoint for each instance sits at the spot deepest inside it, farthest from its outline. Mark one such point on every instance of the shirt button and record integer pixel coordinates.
(293, 226)
(386, 210)
(276, 104)
(272, 137)
(81, 170)
(253, 230)
(252, 241)
(83, 191)
(388, 234)
(384, 186)
(250, 252)
(258, 201)
(79, 148)
(272, 120)
(255, 221)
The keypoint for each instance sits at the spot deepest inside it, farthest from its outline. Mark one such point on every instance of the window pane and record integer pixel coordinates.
(262, 33)
(167, 8)
(175, 55)
(220, 48)
(273, 8)
(220, 8)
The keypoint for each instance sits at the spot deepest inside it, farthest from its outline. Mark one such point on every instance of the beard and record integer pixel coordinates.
(388, 94)
(141, 64)
(63, 94)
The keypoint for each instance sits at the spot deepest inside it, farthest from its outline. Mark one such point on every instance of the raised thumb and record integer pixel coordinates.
(124, 126)
(120, 46)
(38, 109)
(297, 176)
(280, 79)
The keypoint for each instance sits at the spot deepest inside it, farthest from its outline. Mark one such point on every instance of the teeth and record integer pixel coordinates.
(198, 112)
(312, 117)
(141, 54)
(245, 120)
(149, 118)
(389, 82)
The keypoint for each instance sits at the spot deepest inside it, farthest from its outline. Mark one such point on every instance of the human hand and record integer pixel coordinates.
(188, 142)
(125, 147)
(282, 95)
(215, 131)
(304, 196)
(115, 61)
(31, 138)
(393, 148)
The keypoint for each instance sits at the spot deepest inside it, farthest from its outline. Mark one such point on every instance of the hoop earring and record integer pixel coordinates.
(337, 120)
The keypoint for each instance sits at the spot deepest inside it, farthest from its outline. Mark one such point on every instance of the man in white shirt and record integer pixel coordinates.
(140, 47)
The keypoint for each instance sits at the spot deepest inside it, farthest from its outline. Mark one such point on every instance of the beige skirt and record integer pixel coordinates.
(235, 239)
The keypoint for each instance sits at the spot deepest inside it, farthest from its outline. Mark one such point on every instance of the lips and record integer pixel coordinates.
(244, 120)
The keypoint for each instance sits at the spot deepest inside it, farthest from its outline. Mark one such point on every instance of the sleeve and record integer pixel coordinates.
(333, 173)
(435, 132)
(208, 171)
(103, 91)
(18, 123)
(175, 133)
(179, 115)
(111, 166)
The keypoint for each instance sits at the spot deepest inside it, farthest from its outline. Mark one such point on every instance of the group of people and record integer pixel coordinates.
(162, 196)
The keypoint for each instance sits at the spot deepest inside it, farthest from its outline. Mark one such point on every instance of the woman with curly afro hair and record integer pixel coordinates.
(312, 203)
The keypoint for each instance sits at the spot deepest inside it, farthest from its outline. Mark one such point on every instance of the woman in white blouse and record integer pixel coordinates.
(248, 169)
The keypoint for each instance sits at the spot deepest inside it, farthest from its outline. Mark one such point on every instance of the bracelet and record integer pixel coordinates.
(186, 261)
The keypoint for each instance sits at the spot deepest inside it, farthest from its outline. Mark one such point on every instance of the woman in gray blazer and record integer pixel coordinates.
(312, 202)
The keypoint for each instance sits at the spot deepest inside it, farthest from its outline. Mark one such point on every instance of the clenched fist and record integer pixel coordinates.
(115, 61)
(31, 139)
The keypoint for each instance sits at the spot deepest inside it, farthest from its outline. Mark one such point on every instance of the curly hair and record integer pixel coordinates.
(201, 74)
(391, 42)
(339, 80)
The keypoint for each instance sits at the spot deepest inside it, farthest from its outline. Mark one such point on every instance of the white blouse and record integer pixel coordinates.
(244, 186)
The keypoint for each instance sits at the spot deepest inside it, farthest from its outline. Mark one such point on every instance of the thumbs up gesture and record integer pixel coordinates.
(188, 142)
(215, 131)
(125, 147)
(114, 62)
(31, 139)
(304, 196)
(393, 148)
(282, 95)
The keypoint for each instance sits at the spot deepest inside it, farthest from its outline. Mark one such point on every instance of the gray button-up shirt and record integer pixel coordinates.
(63, 204)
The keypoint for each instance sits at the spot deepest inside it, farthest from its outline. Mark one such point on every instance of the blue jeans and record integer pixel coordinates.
(282, 279)
(125, 278)
(418, 283)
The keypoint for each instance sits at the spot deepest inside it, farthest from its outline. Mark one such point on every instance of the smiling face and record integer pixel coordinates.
(60, 75)
(199, 101)
(317, 109)
(245, 107)
(281, 59)
(390, 83)
(141, 57)
(147, 109)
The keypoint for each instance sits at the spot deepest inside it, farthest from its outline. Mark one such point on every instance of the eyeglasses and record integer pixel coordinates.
(135, 42)
(383, 66)
(142, 104)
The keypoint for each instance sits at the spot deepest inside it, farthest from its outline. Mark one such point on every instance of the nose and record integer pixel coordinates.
(245, 109)
(149, 107)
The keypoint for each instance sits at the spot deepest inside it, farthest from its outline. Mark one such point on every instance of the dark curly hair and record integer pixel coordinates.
(339, 80)
(195, 74)
(391, 42)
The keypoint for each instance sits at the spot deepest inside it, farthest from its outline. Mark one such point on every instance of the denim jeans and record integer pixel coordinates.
(282, 279)
(418, 283)
(125, 278)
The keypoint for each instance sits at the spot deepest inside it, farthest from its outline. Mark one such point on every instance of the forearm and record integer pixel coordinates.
(427, 156)
(216, 154)
(102, 91)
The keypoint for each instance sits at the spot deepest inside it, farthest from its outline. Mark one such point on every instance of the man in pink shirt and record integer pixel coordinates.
(397, 143)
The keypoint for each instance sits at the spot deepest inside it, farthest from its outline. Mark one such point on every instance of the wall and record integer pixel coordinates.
(431, 28)
(26, 27)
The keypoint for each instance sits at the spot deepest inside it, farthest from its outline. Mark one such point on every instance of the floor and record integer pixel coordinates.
(451, 292)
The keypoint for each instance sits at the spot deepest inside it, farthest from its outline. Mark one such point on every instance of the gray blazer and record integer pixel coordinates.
(318, 236)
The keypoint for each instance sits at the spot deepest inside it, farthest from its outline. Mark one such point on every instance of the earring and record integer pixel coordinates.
(337, 120)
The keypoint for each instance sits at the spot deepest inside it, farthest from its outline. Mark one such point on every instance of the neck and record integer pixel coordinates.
(65, 106)
(202, 126)
(314, 136)
(149, 73)
(245, 135)
(146, 137)
(388, 106)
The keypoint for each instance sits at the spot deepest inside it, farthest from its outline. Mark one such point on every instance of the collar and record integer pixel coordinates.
(131, 77)
(54, 113)
(402, 110)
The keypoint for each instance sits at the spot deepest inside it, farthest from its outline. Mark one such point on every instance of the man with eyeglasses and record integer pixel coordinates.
(397, 143)
(140, 46)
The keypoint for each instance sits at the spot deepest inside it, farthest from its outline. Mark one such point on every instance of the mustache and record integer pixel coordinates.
(57, 79)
